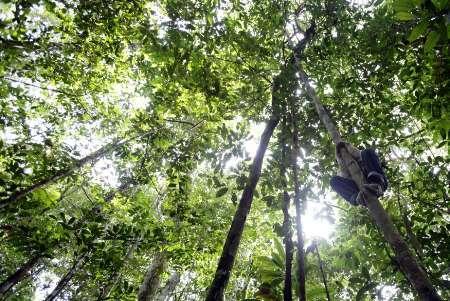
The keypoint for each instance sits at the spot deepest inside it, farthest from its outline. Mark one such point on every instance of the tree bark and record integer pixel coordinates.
(298, 211)
(67, 277)
(18, 275)
(226, 261)
(407, 261)
(169, 287)
(322, 272)
(152, 278)
(288, 245)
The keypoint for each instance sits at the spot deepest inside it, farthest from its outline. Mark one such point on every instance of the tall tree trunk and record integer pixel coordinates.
(79, 262)
(301, 274)
(322, 272)
(288, 245)
(152, 278)
(298, 211)
(169, 287)
(18, 275)
(407, 261)
(222, 275)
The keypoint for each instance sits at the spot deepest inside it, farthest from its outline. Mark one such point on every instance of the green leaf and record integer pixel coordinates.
(417, 31)
(432, 39)
(365, 272)
(278, 260)
(404, 16)
(221, 192)
(417, 2)
(265, 262)
(209, 19)
(279, 247)
(440, 4)
(403, 6)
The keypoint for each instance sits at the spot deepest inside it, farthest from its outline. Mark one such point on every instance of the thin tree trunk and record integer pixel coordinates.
(58, 175)
(20, 274)
(114, 278)
(288, 245)
(222, 275)
(322, 272)
(152, 278)
(407, 261)
(169, 288)
(65, 172)
(67, 277)
(298, 211)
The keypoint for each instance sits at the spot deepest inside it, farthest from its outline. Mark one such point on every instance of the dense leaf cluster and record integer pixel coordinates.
(127, 130)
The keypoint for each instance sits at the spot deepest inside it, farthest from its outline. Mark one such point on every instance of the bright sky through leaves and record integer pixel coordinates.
(129, 130)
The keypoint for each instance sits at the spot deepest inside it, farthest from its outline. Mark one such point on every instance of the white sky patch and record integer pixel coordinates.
(45, 283)
(28, 85)
(129, 99)
(9, 135)
(334, 33)
(104, 173)
(315, 226)
(360, 2)
(387, 292)
(38, 128)
(250, 146)
(328, 90)
(359, 26)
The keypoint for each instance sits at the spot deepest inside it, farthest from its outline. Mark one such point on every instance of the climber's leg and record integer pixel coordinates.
(373, 170)
(346, 188)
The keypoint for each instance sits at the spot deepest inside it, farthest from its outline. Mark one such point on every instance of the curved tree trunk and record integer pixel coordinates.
(222, 275)
(79, 262)
(20, 274)
(169, 288)
(152, 278)
(407, 261)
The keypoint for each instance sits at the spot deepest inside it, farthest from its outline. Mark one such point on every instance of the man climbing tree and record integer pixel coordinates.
(408, 263)
(178, 93)
(370, 165)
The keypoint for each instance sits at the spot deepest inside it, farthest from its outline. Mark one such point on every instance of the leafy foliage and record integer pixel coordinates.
(147, 111)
